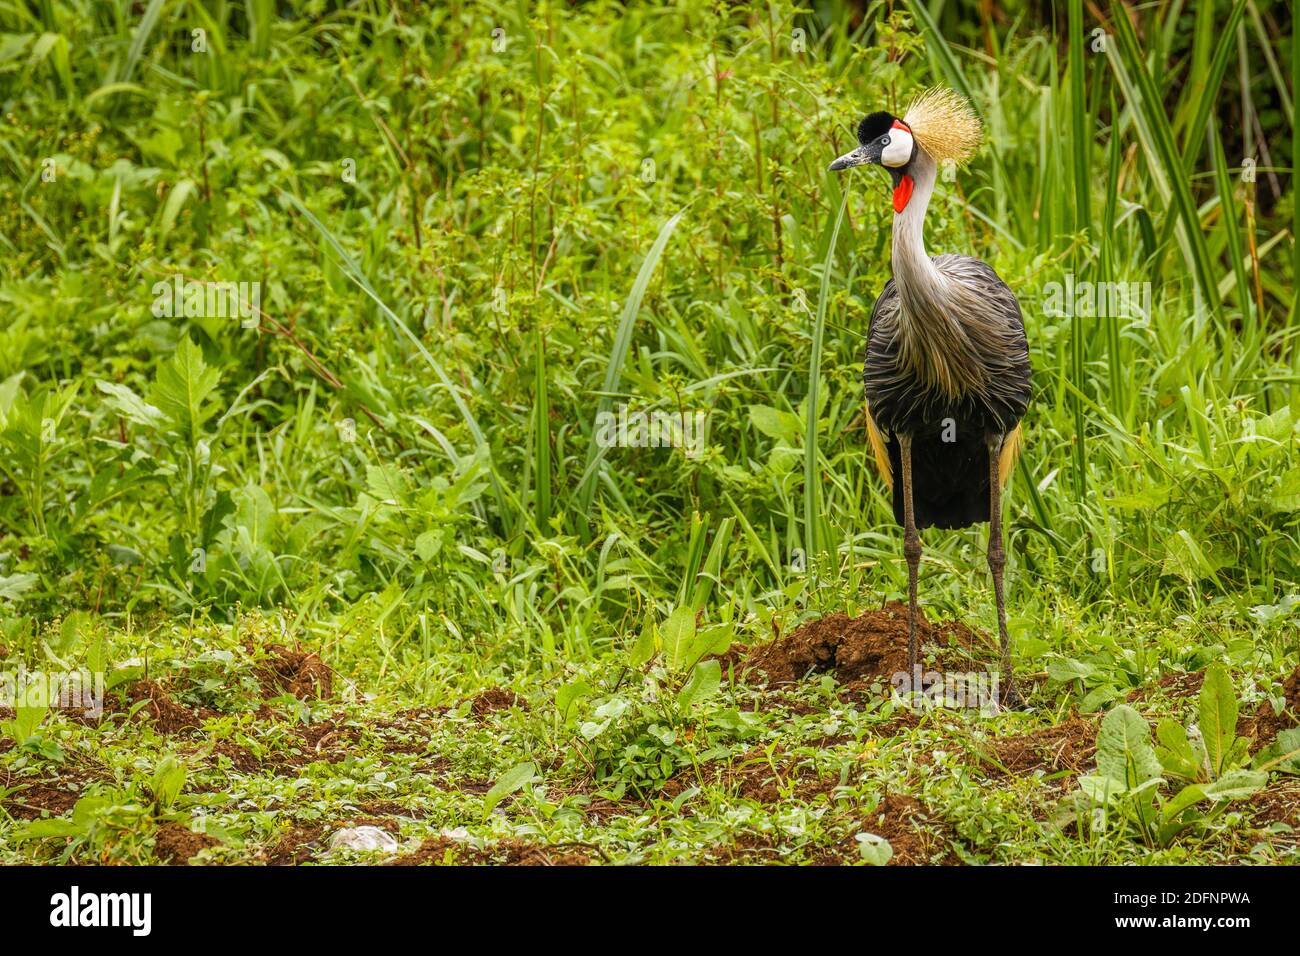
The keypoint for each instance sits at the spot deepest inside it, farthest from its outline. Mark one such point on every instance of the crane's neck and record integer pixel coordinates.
(932, 340)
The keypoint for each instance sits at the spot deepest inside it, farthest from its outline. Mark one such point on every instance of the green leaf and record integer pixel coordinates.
(643, 651)
(182, 388)
(775, 423)
(387, 483)
(1236, 784)
(168, 781)
(130, 405)
(1124, 751)
(1185, 558)
(14, 586)
(255, 512)
(428, 544)
(876, 850)
(1282, 754)
(704, 683)
(1186, 797)
(569, 695)
(678, 633)
(1175, 751)
(513, 779)
(1286, 497)
(1218, 716)
(27, 720)
(182, 191)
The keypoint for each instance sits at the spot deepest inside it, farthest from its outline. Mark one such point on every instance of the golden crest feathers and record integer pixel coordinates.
(945, 125)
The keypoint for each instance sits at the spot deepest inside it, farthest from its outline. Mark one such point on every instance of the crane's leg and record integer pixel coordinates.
(911, 551)
(997, 561)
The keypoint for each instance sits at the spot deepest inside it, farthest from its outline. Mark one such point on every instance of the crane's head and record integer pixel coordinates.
(884, 140)
(940, 123)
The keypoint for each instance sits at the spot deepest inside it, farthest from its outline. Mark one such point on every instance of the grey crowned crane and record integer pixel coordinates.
(947, 366)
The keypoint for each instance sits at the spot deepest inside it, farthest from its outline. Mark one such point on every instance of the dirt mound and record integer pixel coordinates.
(870, 646)
(917, 836)
(1266, 724)
(299, 845)
(292, 671)
(494, 699)
(176, 845)
(1068, 746)
(441, 849)
(168, 716)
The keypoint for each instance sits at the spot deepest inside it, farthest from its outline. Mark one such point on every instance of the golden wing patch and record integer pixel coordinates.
(878, 448)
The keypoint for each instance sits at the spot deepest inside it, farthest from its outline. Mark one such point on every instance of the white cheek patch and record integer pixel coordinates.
(899, 150)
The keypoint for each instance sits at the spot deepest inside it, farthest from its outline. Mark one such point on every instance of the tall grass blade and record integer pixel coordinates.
(618, 355)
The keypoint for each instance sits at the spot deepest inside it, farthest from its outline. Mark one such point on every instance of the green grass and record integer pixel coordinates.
(397, 467)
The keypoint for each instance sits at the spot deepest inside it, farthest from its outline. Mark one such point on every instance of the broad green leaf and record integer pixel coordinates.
(255, 512)
(1236, 784)
(168, 781)
(182, 389)
(1286, 496)
(1218, 715)
(569, 695)
(678, 632)
(704, 683)
(176, 199)
(14, 586)
(387, 483)
(1124, 751)
(1282, 754)
(876, 850)
(775, 423)
(428, 544)
(27, 720)
(1176, 753)
(1189, 796)
(513, 779)
(130, 405)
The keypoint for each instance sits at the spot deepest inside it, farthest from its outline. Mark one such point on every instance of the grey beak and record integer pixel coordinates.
(849, 160)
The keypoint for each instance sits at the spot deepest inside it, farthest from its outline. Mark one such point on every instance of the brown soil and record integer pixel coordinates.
(1068, 746)
(494, 699)
(293, 671)
(176, 844)
(856, 650)
(916, 835)
(508, 852)
(753, 778)
(1279, 803)
(299, 845)
(1265, 725)
(168, 717)
(39, 799)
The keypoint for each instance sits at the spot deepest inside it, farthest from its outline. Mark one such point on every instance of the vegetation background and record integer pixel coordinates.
(475, 226)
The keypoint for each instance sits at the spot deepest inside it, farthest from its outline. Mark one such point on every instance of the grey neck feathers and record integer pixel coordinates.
(932, 339)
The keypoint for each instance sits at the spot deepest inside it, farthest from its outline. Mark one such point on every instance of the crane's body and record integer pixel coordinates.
(946, 373)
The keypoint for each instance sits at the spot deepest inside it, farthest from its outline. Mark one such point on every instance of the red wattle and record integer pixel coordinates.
(902, 193)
